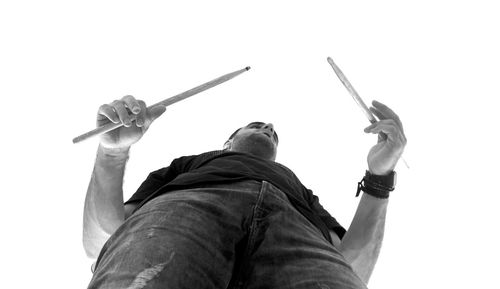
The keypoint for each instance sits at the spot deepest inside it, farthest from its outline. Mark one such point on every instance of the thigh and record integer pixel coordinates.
(288, 251)
(183, 239)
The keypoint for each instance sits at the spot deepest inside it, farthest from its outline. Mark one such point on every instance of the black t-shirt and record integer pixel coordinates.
(225, 166)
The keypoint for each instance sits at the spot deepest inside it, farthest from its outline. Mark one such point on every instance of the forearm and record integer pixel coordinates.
(362, 242)
(104, 211)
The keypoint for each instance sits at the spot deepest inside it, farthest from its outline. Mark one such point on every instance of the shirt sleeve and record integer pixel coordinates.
(330, 222)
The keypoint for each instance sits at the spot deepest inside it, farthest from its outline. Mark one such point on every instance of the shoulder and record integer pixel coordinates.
(191, 161)
(283, 167)
(202, 156)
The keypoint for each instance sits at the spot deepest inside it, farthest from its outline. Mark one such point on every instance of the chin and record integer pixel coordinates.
(264, 154)
(258, 147)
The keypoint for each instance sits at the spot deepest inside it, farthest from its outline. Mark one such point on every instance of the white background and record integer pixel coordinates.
(436, 63)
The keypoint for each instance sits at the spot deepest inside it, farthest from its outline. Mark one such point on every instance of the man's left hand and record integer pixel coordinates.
(383, 157)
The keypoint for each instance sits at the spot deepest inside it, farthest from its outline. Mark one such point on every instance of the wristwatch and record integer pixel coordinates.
(388, 181)
(377, 185)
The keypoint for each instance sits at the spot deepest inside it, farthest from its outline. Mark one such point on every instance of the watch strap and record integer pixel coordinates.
(376, 185)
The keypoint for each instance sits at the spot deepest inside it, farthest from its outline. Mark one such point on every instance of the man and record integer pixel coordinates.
(229, 219)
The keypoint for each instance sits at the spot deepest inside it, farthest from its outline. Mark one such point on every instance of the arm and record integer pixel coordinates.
(362, 242)
(104, 211)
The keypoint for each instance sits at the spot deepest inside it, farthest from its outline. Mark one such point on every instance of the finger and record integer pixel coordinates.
(142, 115)
(387, 126)
(381, 136)
(153, 114)
(107, 111)
(380, 116)
(132, 104)
(377, 113)
(384, 112)
(122, 112)
(157, 111)
(383, 108)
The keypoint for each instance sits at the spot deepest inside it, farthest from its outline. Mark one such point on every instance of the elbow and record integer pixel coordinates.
(359, 266)
(350, 255)
(362, 259)
(93, 242)
(90, 249)
(95, 235)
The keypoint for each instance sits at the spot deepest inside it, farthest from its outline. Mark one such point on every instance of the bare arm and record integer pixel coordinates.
(104, 211)
(362, 242)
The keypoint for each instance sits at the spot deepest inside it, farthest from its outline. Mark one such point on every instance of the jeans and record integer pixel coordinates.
(238, 235)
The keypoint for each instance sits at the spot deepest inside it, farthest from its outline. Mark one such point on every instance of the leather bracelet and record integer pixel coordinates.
(377, 186)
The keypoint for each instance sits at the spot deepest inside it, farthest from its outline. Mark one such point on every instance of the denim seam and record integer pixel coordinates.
(251, 238)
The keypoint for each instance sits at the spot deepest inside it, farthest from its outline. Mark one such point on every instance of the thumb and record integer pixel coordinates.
(157, 111)
(153, 114)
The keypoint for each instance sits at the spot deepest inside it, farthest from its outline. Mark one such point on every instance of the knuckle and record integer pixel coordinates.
(108, 111)
(117, 103)
(123, 114)
(381, 105)
(120, 109)
(103, 107)
(402, 139)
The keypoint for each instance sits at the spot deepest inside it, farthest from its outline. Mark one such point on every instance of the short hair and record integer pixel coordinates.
(234, 133)
(230, 138)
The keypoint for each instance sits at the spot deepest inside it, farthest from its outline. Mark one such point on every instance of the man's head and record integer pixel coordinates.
(256, 138)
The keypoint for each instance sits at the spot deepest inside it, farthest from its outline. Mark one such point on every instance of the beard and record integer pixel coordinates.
(258, 145)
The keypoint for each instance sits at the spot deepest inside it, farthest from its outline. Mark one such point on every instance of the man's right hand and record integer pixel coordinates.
(121, 111)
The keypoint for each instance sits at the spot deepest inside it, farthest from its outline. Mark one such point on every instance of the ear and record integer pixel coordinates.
(228, 144)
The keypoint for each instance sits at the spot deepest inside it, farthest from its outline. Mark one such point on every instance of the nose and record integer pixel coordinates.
(269, 127)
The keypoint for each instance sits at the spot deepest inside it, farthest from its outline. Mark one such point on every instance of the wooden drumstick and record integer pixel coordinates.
(356, 96)
(352, 91)
(166, 102)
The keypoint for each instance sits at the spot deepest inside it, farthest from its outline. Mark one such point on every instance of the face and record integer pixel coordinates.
(257, 138)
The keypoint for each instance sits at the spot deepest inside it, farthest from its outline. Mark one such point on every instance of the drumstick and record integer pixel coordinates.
(352, 91)
(166, 102)
(355, 95)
